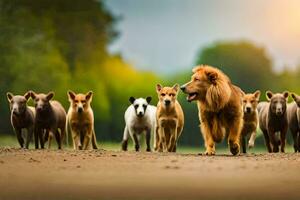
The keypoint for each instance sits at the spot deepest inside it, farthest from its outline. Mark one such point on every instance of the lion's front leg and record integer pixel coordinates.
(208, 139)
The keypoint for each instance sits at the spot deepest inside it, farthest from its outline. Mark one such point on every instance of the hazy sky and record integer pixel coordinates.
(165, 35)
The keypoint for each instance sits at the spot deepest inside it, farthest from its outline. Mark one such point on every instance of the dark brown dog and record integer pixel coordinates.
(293, 113)
(272, 119)
(220, 107)
(50, 117)
(22, 117)
(250, 102)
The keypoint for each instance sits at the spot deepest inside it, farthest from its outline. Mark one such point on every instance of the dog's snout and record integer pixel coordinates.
(167, 102)
(140, 114)
(15, 111)
(248, 109)
(80, 109)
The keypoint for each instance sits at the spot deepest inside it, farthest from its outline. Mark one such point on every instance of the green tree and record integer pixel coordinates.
(248, 66)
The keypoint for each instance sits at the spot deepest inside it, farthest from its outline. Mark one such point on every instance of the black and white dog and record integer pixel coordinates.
(140, 117)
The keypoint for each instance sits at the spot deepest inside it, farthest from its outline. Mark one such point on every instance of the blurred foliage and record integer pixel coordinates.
(60, 45)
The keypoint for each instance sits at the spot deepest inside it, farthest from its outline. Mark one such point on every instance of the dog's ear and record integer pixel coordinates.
(212, 76)
(257, 94)
(176, 87)
(9, 96)
(89, 96)
(148, 99)
(131, 100)
(27, 95)
(50, 95)
(33, 94)
(269, 95)
(286, 94)
(158, 87)
(294, 96)
(71, 95)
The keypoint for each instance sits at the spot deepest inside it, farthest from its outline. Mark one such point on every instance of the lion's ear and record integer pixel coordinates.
(212, 77)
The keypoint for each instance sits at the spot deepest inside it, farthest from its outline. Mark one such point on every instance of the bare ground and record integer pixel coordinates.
(52, 174)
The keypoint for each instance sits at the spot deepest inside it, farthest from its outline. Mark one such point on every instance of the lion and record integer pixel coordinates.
(220, 107)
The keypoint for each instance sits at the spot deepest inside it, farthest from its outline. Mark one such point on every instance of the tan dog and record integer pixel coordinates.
(250, 102)
(170, 119)
(80, 121)
(220, 107)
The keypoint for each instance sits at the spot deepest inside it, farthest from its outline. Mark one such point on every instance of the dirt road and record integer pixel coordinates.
(43, 174)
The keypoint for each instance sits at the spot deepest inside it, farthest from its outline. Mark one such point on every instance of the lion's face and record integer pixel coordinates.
(200, 82)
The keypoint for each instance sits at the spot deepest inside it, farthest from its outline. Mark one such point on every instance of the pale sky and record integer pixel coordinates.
(165, 36)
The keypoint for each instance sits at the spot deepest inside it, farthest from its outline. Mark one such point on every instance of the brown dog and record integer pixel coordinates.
(22, 117)
(170, 118)
(50, 118)
(80, 121)
(293, 114)
(272, 119)
(250, 102)
(220, 107)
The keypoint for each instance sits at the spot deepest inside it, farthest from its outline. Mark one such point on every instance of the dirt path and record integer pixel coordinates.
(30, 174)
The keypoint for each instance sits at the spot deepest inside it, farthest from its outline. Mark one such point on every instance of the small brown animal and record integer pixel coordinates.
(250, 102)
(293, 113)
(220, 107)
(169, 117)
(22, 117)
(50, 118)
(80, 121)
(272, 119)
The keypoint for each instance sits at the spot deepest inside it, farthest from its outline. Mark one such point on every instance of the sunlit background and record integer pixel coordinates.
(123, 48)
(165, 36)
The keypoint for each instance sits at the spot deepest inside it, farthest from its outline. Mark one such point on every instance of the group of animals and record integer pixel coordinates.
(48, 118)
(224, 110)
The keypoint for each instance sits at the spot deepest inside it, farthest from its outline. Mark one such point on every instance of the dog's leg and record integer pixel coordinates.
(298, 134)
(41, 137)
(274, 141)
(57, 137)
(163, 141)
(76, 139)
(252, 139)
(234, 136)
(243, 143)
(48, 137)
(136, 142)
(63, 136)
(173, 137)
(30, 131)
(179, 130)
(208, 140)
(282, 139)
(94, 140)
(148, 139)
(19, 137)
(125, 139)
(267, 141)
(295, 139)
(87, 139)
(157, 144)
(36, 137)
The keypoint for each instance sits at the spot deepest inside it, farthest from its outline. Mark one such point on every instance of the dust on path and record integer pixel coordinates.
(52, 174)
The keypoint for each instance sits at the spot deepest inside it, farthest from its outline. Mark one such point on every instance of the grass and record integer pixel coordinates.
(11, 141)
